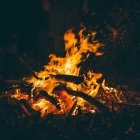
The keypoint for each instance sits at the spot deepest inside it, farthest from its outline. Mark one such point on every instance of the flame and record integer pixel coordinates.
(78, 48)
(44, 106)
(18, 95)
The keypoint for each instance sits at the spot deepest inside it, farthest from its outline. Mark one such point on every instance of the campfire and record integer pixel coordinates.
(64, 86)
(63, 83)
(65, 93)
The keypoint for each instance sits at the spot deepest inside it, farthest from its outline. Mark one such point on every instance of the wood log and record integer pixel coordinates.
(50, 98)
(69, 78)
(70, 112)
(16, 82)
(24, 109)
(14, 105)
(26, 104)
(72, 109)
(86, 97)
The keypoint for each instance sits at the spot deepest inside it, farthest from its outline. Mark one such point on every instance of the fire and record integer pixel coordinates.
(78, 48)
(19, 95)
(43, 106)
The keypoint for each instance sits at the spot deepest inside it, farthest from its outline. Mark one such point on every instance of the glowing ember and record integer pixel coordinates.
(19, 95)
(77, 47)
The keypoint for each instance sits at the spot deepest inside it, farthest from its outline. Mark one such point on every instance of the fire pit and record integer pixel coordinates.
(63, 101)
(61, 86)
(83, 85)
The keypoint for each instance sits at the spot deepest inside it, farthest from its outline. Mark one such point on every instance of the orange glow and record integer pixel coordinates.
(77, 50)
(18, 95)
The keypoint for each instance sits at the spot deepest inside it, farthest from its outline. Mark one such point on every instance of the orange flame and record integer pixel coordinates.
(77, 50)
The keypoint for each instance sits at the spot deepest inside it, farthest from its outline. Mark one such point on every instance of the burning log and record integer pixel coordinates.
(26, 106)
(16, 106)
(66, 100)
(26, 111)
(70, 112)
(69, 78)
(86, 97)
(51, 99)
(72, 109)
(62, 77)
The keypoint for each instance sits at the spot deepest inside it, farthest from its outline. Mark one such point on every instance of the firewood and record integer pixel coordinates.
(25, 109)
(72, 109)
(69, 78)
(70, 112)
(86, 97)
(26, 105)
(50, 98)
(14, 105)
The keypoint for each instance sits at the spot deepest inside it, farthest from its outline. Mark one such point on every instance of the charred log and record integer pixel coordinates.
(69, 78)
(26, 111)
(27, 106)
(51, 99)
(72, 109)
(13, 105)
(70, 112)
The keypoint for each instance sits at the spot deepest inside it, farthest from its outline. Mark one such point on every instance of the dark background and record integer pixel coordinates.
(25, 27)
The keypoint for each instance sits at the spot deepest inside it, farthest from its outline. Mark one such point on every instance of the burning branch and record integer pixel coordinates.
(66, 71)
(69, 78)
(51, 99)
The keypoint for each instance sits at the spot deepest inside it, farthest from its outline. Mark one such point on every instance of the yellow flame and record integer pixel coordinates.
(77, 50)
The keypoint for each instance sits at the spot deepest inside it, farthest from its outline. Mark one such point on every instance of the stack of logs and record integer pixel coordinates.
(26, 87)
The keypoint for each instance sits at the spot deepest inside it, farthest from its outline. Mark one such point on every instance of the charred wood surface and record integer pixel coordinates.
(69, 78)
(50, 98)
